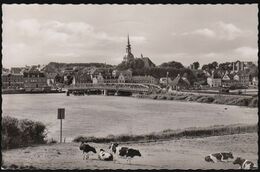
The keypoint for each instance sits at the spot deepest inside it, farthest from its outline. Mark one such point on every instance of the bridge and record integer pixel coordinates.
(115, 87)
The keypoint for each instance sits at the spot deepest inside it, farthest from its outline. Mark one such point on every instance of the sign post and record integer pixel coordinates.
(61, 115)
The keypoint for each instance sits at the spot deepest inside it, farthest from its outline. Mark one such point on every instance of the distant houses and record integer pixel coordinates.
(12, 81)
(164, 81)
(35, 80)
(255, 81)
(145, 79)
(215, 80)
(179, 83)
(228, 79)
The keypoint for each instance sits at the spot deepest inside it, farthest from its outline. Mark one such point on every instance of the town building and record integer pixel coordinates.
(242, 77)
(16, 70)
(81, 78)
(5, 70)
(163, 81)
(144, 79)
(147, 62)
(125, 76)
(35, 80)
(215, 80)
(115, 73)
(179, 83)
(98, 79)
(51, 78)
(12, 81)
(255, 81)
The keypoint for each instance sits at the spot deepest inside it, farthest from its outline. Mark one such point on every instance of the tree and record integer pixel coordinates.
(205, 67)
(59, 79)
(172, 64)
(214, 65)
(196, 65)
(225, 66)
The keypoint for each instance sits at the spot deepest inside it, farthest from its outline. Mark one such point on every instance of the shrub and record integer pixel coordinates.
(253, 102)
(205, 99)
(17, 133)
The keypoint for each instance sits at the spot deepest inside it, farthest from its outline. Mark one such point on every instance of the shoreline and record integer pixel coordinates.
(251, 102)
(35, 92)
(170, 134)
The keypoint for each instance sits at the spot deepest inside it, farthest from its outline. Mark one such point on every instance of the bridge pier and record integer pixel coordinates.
(105, 92)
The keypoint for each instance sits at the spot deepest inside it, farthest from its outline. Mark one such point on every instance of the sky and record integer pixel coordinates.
(39, 34)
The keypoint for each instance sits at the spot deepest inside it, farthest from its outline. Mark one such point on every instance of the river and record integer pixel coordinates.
(98, 115)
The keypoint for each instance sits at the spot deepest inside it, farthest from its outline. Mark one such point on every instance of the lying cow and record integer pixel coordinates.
(124, 151)
(219, 157)
(105, 156)
(244, 164)
(86, 149)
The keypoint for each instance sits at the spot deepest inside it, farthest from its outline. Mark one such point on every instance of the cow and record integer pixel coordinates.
(105, 156)
(244, 164)
(124, 152)
(219, 157)
(86, 149)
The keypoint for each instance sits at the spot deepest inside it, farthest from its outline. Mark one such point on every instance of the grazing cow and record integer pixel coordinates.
(86, 148)
(105, 156)
(124, 151)
(244, 164)
(222, 157)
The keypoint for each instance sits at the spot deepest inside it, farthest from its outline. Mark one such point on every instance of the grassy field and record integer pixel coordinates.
(175, 154)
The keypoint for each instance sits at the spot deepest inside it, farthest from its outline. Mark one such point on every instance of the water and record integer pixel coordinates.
(103, 115)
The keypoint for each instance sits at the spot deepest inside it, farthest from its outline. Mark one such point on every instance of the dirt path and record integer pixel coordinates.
(175, 154)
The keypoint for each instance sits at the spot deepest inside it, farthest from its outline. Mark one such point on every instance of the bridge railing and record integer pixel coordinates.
(114, 86)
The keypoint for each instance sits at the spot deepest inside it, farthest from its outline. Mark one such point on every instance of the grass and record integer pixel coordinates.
(216, 130)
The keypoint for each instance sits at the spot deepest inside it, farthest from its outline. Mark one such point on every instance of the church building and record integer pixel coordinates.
(128, 56)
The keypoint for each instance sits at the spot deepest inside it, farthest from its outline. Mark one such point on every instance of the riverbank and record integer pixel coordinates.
(215, 99)
(174, 154)
(169, 134)
(32, 92)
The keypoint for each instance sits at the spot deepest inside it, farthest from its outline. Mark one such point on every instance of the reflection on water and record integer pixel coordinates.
(104, 115)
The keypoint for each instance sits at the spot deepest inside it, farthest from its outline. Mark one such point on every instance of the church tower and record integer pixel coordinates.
(128, 56)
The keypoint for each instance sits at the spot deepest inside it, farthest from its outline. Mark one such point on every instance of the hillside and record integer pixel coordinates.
(55, 67)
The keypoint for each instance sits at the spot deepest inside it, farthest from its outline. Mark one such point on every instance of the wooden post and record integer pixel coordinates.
(60, 130)
(61, 115)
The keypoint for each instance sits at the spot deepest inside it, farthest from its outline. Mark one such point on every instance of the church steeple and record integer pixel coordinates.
(128, 46)
(128, 56)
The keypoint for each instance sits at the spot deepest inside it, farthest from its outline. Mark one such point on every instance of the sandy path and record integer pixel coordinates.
(175, 154)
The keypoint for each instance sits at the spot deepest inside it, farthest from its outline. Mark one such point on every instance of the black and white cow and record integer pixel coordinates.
(124, 152)
(105, 156)
(86, 149)
(244, 164)
(219, 157)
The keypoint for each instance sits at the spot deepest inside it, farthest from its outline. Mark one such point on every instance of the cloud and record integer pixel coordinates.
(246, 52)
(228, 31)
(202, 32)
(220, 31)
(28, 27)
(205, 32)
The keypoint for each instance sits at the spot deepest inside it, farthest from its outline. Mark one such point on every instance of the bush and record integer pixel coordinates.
(253, 102)
(205, 99)
(18, 133)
